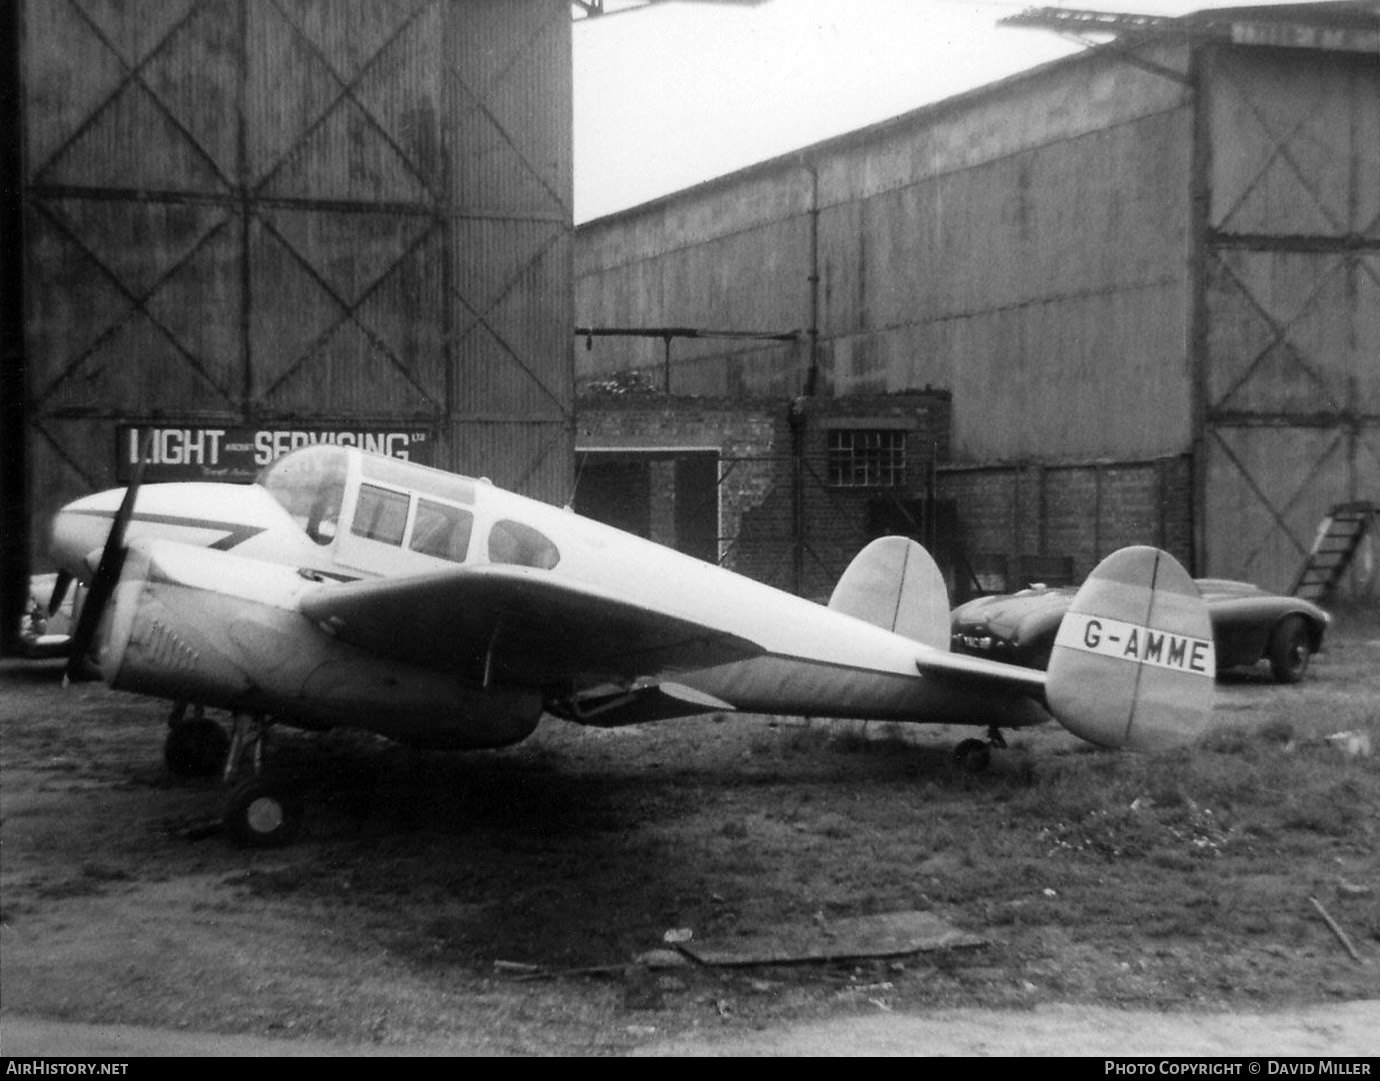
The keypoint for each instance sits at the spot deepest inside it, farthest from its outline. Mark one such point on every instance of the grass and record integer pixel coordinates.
(1159, 879)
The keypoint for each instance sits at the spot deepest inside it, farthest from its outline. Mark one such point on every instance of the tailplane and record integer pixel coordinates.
(894, 583)
(1133, 663)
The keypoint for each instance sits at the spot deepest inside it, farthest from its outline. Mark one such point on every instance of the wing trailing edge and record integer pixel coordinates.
(519, 625)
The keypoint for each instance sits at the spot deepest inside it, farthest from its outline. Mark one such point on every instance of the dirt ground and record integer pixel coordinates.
(518, 901)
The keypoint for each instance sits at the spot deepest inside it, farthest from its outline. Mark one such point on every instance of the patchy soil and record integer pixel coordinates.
(510, 899)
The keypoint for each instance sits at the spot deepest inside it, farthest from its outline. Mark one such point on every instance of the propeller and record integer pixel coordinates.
(103, 583)
(62, 583)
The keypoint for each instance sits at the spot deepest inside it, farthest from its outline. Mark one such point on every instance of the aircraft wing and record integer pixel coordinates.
(518, 625)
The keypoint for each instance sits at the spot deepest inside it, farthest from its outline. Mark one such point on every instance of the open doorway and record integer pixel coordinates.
(670, 496)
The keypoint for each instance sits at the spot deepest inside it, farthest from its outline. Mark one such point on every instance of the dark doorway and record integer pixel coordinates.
(671, 497)
(697, 506)
(615, 492)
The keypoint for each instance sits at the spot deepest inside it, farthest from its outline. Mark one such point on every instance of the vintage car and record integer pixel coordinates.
(1249, 624)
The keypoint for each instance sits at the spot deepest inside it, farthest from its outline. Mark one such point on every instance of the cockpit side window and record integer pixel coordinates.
(515, 543)
(442, 531)
(380, 514)
(310, 485)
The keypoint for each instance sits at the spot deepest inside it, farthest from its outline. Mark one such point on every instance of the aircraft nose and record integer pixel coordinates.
(80, 528)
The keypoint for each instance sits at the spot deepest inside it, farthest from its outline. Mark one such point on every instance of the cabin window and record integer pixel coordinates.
(419, 478)
(513, 542)
(380, 514)
(442, 531)
(867, 458)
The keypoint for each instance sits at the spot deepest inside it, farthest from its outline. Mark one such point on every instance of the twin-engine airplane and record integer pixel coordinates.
(343, 588)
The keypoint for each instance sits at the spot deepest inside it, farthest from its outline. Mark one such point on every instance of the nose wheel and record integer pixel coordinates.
(975, 755)
(261, 812)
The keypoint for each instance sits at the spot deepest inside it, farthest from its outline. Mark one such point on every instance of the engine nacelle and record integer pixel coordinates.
(205, 626)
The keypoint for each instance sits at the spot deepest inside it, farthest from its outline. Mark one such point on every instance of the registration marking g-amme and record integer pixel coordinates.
(1134, 642)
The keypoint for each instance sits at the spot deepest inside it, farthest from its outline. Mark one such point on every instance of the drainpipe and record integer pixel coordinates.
(798, 416)
(812, 373)
(1199, 318)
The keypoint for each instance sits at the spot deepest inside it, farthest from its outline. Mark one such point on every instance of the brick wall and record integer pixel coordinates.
(780, 521)
(1079, 511)
(748, 435)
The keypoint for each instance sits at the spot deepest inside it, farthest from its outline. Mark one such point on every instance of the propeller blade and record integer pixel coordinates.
(103, 582)
(60, 588)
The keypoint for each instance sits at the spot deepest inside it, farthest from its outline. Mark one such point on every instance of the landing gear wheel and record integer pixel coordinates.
(196, 748)
(1290, 649)
(261, 814)
(972, 756)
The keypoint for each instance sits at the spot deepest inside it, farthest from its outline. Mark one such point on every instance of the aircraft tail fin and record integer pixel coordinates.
(1133, 662)
(894, 583)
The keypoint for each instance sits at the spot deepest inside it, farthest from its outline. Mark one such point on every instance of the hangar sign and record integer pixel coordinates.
(238, 453)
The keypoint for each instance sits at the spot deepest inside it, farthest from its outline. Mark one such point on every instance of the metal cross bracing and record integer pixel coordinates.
(244, 191)
(1293, 254)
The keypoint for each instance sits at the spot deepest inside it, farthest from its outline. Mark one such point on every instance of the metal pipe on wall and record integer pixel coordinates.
(812, 374)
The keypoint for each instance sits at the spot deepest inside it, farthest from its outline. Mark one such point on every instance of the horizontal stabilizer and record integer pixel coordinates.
(1133, 663)
(894, 584)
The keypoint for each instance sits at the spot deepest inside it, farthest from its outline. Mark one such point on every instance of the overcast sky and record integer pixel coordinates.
(670, 95)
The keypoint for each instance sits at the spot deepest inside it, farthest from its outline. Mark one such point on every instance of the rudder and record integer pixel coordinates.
(1133, 663)
(895, 584)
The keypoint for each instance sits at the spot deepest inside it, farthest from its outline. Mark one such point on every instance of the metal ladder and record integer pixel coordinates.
(1339, 535)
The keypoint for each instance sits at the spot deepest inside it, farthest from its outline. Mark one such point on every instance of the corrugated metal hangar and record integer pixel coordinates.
(1140, 287)
(1149, 275)
(245, 223)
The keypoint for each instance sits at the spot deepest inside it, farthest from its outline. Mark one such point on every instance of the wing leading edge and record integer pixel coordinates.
(518, 625)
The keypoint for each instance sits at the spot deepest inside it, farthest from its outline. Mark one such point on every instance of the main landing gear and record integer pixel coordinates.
(195, 747)
(260, 812)
(975, 755)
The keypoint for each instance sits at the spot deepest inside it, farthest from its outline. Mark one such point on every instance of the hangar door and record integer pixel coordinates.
(270, 212)
(1292, 279)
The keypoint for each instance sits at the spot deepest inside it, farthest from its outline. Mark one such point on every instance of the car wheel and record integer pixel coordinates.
(1290, 649)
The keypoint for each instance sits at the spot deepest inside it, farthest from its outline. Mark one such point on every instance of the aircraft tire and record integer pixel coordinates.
(972, 756)
(261, 814)
(1290, 650)
(196, 748)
